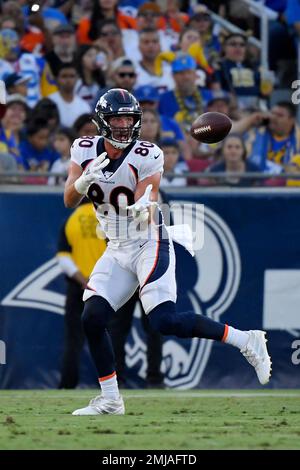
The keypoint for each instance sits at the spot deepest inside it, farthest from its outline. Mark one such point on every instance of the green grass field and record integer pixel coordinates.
(154, 420)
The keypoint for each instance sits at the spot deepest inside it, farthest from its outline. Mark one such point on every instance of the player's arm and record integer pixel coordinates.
(65, 258)
(142, 186)
(79, 181)
(71, 196)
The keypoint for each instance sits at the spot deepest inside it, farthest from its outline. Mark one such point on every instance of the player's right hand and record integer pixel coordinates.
(91, 173)
(139, 209)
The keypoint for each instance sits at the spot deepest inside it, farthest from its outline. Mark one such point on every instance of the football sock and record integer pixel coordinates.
(109, 386)
(235, 337)
(166, 320)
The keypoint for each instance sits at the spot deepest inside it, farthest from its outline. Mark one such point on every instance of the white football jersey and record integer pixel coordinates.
(117, 183)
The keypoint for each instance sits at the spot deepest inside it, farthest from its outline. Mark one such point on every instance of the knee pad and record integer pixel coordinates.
(96, 314)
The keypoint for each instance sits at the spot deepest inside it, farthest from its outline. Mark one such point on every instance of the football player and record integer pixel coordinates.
(121, 176)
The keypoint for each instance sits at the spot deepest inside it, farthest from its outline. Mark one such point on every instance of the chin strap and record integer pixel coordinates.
(118, 145)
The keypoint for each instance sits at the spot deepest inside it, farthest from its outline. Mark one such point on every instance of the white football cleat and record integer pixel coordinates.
(102, 406)
(257, 355)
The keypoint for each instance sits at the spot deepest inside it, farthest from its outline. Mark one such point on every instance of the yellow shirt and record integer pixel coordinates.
(78, 239)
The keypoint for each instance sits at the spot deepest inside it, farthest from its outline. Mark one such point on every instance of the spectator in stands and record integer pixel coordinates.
(32, 31)
(91, 78)
(294, 167)
(149, 46)
(173, 17)
(171, 163)
(149, 15)
(202, 22)
(16, 83)
(12, 126)
(88, 29)
(233, 159)
(236, 75)
(110, 39)
(7, 22)
(85, 126)
(12, 60)
(63, 52)
(150, 130)
(62, 142)
(70, 106)
(282, 44)
(148, 97)
(122, 75)
(35, 149)
(47, 109)
(7, 163)
(9, 51)
(187, 101)
(190, 43)
(13, 10)
(273, 145)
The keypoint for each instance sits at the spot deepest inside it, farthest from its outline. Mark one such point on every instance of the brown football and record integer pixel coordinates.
(211, 127)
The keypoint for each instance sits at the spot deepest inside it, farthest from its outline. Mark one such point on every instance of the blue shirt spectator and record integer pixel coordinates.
(187, 100)
(36, 152)
(149, 97)
(273, 146)
(236, 75)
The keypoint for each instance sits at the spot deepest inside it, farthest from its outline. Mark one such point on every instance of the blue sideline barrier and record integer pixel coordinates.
(247, 274)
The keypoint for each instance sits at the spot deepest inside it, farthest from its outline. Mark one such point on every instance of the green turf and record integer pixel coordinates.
(154, 420)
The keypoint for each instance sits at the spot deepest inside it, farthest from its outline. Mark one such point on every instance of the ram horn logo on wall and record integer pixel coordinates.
(32, 291)
(210, 288)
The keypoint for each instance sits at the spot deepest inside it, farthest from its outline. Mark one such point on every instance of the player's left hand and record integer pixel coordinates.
(139, 209)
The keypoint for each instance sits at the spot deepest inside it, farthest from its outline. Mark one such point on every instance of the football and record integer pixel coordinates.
(210, 128)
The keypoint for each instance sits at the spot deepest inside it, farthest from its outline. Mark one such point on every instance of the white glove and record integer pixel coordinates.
(140, 208)
(91, 173)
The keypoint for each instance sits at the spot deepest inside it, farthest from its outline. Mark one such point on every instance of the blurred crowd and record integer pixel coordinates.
(58, 57)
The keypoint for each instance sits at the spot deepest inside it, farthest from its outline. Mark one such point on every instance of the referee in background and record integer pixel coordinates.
(78, 250)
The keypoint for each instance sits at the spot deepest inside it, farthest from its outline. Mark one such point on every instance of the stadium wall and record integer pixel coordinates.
(246, 274)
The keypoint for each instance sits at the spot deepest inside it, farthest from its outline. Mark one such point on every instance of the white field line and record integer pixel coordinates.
(42, 394)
